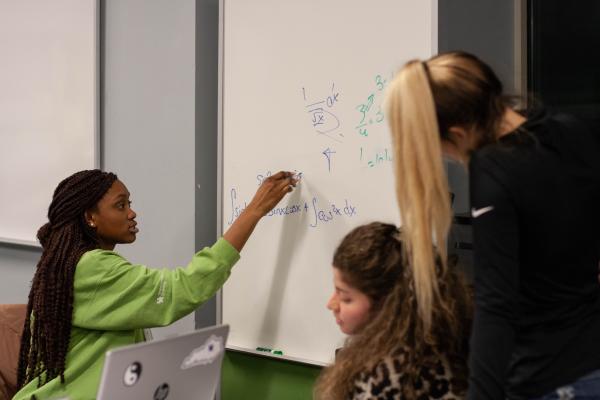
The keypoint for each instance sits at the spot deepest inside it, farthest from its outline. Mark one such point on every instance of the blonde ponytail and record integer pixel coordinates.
(421, 184)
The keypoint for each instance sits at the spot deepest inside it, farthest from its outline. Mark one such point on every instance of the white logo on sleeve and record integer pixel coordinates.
(478, 212)
(161, 292)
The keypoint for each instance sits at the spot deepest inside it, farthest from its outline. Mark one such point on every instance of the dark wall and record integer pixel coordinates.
(564, 66)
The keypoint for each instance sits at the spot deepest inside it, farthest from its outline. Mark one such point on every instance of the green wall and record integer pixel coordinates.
(248, 377)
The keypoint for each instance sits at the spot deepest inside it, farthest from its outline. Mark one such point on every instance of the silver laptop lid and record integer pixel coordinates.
(182, 367)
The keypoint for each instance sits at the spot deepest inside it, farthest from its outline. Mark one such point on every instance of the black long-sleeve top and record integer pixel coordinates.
(535, 198)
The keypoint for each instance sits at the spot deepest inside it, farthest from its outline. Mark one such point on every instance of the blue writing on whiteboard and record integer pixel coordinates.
(320, 215)
(236, 209)
(287, 210)
(260, 178)
(322, 116)
(328, 214)
(327, 153)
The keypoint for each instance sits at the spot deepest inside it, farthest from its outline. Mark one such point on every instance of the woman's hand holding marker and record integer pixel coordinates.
(270, 192)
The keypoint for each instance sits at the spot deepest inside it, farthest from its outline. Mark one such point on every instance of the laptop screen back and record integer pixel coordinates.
(182, 367)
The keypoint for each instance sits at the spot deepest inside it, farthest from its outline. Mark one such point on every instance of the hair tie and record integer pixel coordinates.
(426, 69)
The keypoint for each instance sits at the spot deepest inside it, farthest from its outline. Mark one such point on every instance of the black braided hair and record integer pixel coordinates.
(64, 239)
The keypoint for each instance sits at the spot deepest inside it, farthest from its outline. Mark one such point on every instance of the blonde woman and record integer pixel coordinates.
(535, 196)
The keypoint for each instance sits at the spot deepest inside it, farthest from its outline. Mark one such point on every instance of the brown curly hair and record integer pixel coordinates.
(372, 259)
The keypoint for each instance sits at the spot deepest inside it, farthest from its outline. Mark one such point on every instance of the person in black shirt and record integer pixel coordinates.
(535, 197)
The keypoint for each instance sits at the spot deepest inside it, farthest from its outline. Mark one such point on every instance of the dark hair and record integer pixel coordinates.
(372, 259)
(64, 239)
(466, 92)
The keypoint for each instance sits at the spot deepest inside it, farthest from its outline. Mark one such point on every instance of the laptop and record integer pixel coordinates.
(185, 367)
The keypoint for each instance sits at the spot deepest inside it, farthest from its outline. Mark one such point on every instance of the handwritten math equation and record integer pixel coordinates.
(370, 111)
(316, 211)
(379, 157)
(260, 178)
(322, 114)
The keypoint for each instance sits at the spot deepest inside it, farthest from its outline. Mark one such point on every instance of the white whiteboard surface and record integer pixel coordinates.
(302, 87)
(48, 98)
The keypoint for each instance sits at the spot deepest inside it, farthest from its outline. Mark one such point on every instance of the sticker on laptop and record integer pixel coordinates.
(205, 354)
(161, 392)
(132, 374)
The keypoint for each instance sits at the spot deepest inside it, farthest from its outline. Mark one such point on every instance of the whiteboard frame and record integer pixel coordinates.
(220, 168)
(96, 110)
(220, 68)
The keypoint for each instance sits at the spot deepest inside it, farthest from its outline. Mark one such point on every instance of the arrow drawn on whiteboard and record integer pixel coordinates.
(327, 153)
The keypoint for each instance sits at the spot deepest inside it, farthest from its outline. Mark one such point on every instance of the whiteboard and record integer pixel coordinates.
(302, 86)
(48, 98)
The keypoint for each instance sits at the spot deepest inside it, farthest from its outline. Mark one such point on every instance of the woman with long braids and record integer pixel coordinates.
(86, 299)
(535, 196)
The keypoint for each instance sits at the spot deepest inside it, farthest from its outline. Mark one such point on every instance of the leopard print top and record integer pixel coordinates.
(384, 382)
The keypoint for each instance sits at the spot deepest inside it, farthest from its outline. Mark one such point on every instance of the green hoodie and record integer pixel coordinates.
(115, 300)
